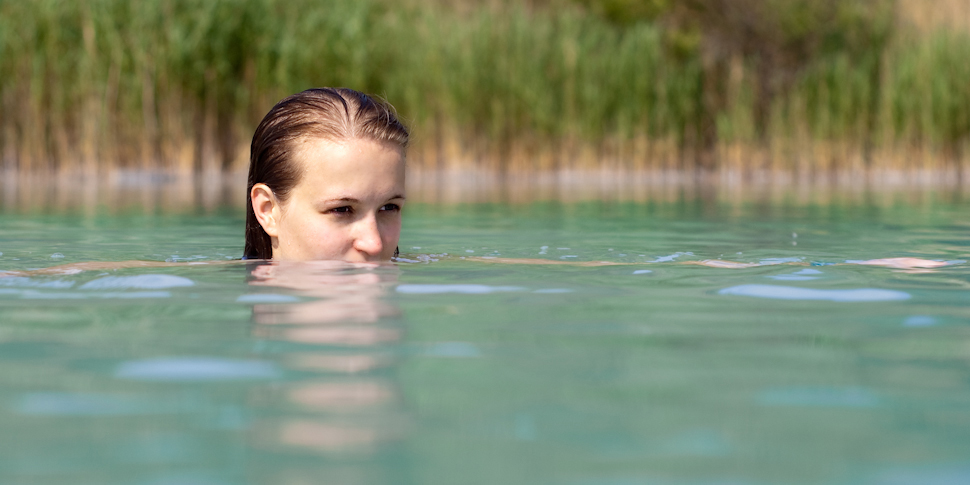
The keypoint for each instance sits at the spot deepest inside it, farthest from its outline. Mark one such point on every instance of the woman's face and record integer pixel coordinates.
(346, 205)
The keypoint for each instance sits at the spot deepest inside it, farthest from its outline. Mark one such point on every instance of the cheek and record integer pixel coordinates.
(317, 237)
(391, 228)
(329, 238)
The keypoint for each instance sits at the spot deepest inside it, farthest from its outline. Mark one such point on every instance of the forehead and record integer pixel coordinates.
(357, 167)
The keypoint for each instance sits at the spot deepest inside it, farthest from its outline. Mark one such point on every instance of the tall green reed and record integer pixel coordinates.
(180, 85)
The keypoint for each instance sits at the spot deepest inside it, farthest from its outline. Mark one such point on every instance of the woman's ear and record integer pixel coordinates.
(266, 207)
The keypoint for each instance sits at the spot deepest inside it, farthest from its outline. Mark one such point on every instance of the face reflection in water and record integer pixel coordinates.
(346, 205)
(344, 312)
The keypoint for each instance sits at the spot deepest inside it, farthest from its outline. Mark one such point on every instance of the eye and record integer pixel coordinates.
(390, 207)
(344, 209)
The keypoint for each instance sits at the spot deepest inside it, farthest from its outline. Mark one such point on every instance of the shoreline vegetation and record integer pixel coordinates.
(801, 88)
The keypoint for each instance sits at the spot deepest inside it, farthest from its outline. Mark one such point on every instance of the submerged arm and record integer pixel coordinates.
(898, 263)
(74, 268)
(543, 261)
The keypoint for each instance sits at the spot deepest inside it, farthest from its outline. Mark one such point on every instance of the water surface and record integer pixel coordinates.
(446, 369)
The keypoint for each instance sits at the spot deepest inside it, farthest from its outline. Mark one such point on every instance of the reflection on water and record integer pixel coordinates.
(341, 292)
(724, 186)
(344, 312)
(121, 191)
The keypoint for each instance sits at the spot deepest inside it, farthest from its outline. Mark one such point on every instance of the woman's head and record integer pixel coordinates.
(326, 179)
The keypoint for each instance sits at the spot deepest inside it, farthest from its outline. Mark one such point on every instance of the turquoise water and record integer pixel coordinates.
(450, 370)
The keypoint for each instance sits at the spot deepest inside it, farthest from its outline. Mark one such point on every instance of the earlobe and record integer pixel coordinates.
(266, 208)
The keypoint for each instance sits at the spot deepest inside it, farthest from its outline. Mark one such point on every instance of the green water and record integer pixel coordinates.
(450, 370)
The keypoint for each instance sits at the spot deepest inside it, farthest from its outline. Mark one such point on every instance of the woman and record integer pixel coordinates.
(326, 179)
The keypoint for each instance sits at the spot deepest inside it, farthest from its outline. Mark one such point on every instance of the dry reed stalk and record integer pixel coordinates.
(928, 16)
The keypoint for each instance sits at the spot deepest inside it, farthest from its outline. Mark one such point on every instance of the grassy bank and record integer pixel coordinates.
(180, 84)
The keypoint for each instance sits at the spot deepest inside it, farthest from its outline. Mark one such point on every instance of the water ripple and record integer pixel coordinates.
(143, 282)
(424, 289)
(84, 404)
(195, 369)
(37, 295)
(453, 349)
(795, 293)
(25, 282)
(846, 397)
(266, 298)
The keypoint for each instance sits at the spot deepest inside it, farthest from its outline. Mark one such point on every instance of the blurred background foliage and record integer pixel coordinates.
(687, 84)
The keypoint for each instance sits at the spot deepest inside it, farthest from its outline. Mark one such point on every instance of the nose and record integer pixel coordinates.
(367, 239)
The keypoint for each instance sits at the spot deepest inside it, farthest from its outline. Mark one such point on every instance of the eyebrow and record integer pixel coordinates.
(357, 201)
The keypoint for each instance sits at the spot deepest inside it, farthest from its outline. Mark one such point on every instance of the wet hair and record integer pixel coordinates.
(334, 114)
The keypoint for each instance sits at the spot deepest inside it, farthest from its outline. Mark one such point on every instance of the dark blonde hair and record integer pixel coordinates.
(334, 114)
